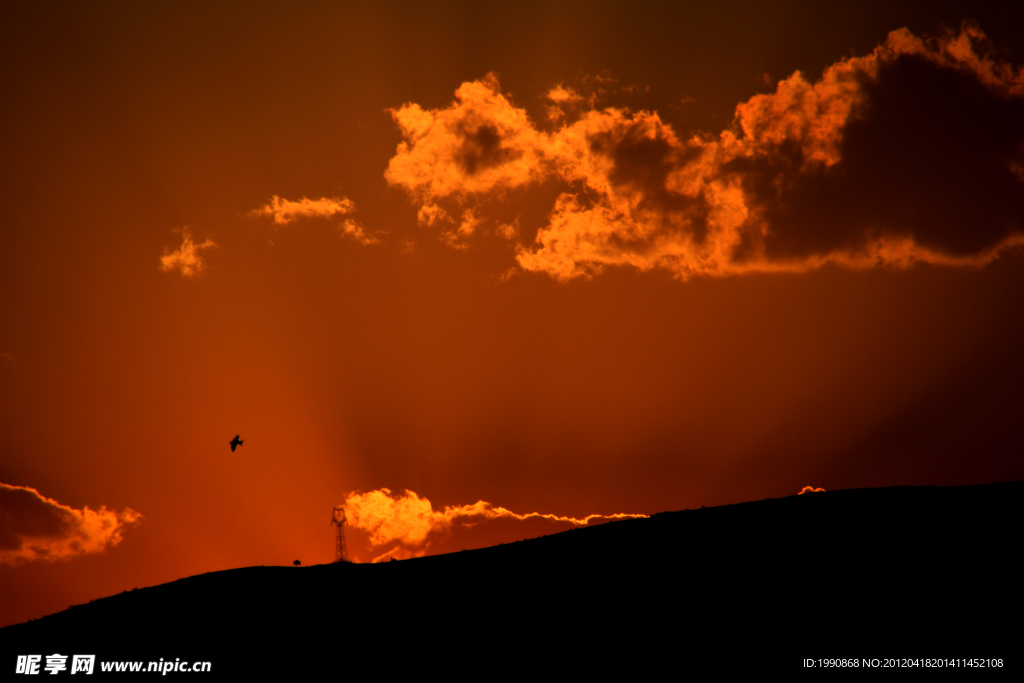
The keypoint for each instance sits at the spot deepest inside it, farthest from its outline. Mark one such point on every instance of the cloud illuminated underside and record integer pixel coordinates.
(913, 153)
(33, 527)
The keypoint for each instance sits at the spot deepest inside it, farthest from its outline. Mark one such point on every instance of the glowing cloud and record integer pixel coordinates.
(411, 520)
(285, 211)
(186, 259)
(480, 144)
(357, 232)
(561, 98)
(837, 170)
(810, 489)
(33, 527)
(399, 553)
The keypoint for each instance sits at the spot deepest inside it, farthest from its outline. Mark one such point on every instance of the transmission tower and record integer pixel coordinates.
(340, 548)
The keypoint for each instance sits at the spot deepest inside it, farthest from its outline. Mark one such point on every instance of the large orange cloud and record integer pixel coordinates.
(412, 521)
(33, 527)
(913, 153)
(479, 144)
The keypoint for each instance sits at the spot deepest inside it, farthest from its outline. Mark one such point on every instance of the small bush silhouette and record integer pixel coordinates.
(297, 562)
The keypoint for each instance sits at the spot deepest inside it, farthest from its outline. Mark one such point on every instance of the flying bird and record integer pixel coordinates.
(235, 442)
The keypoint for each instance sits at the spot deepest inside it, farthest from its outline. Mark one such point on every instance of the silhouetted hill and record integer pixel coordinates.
(904, 572)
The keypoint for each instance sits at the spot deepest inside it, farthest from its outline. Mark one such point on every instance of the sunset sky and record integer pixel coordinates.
(567, 258)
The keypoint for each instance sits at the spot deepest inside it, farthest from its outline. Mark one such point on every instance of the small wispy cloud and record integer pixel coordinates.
(357, 232)
(285, 211)
(457, 236)
(186, 258)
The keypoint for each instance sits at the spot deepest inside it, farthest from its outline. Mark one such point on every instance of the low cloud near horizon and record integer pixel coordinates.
(912, 153)
(410, 521)
(33, 527)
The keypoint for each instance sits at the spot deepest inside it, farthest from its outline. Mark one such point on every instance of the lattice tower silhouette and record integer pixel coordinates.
(340, 548)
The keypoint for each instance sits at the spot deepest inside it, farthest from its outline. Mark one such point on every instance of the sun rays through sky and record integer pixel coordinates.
(482, 273)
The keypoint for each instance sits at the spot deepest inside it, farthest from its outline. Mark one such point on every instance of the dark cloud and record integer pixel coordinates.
(912, 153)
(33, 527)
(482, 148)
(927, 155)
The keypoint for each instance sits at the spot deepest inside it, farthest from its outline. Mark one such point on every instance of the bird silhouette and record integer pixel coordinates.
(235, 442)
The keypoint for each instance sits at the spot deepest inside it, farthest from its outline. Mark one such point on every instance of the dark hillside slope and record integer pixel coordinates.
(896, 572)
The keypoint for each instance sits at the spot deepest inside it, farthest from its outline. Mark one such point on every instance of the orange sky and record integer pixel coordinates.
(642, 267)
